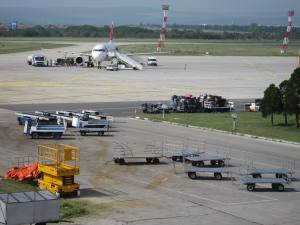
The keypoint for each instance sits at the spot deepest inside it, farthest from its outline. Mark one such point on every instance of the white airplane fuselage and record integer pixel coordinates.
(103, 52)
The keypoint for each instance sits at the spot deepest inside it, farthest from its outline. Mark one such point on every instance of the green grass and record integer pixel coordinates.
(217, 49)
(247, 123)
(72, 208)
(10, 186)
(13, 47)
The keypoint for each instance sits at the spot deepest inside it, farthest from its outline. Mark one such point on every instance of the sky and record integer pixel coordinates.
(102, 12)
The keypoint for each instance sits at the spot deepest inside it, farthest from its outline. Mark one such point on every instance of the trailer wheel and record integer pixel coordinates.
(56, 136)
(200, 163)
(213, 162)
(35, 136)
(121, 161)
(194, 163)
(40, 224)
(280, 187)
(148, 160)
(256, 175)
(250, 187)
(192, 175)
(100, 133)
(180, 158)
(82, 133)
(116, 160)
(174, 158)
(218, 176)
(155, 161)
(221, 163)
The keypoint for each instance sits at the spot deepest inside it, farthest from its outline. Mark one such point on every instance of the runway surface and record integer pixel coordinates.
(231, 77)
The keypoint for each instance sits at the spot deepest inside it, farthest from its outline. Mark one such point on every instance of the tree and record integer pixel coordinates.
(283, 87)
(293, 95)
(271, 102)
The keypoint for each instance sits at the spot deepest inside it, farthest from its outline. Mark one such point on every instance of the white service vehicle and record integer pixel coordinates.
(37, 60)
(152, 61)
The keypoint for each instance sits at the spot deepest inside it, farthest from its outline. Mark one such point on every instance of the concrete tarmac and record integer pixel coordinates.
(231, 77)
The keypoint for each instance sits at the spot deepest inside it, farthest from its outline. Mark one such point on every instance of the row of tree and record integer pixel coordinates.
(283, 99)
(178, 32)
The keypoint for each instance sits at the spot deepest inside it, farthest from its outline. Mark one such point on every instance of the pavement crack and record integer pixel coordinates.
(164, 218)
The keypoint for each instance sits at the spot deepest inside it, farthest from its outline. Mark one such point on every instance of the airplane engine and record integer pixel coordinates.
(79, 60)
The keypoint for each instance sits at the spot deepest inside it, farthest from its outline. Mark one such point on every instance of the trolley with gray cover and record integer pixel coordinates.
(277, 177)
(123, 153)
(34, 207)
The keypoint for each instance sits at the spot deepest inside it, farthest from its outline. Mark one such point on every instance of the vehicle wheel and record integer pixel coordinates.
(192, 175)
(194, 164)
(40, 224)
(148, 160)
(100, 133)
(56, 136)
(221, 163)
(121, 161)
(82, 133)
(155, 161)
(218, 176)
(116, 160)
(200, 163)
(180, 158)
(35, 136)
(256, 175)
(174, 158)
(213, 162)
(280, 187)
(250, 187)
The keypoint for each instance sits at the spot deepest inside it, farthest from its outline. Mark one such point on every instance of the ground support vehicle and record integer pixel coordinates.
(193, 171)
(123, 153)
(152, 61)
(58, 165)
(37, 128)
(33, 207)
(99, 127)
(200, 159)
(278, 178)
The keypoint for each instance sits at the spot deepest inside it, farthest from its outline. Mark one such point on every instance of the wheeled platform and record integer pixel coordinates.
(277, 177)
(218, 172)
(201, 159)
(124, 154)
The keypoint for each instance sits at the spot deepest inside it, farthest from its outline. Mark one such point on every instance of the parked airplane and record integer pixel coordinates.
(109, 52)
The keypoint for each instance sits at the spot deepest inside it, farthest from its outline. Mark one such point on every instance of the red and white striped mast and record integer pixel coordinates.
(285, 42)
(163, 30)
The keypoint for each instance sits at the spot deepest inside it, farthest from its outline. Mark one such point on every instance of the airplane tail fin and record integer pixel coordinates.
(111, 32)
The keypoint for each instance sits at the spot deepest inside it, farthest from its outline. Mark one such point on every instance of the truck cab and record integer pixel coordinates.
(39, 60)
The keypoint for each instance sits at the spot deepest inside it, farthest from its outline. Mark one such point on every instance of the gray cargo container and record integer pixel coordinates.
(34, 207)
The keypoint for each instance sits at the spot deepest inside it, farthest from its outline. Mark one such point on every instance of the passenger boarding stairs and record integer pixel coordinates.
(128, 60)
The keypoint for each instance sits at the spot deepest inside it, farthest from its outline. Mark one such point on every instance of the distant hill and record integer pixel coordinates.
(236, 32)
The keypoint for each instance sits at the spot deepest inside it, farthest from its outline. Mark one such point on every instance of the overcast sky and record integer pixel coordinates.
(100, 12)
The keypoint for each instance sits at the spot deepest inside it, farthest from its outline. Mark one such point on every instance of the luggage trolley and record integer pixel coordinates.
(123, 152)
(195, 164)
(277, 177)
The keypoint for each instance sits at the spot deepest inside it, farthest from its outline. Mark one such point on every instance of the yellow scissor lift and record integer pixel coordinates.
(58, 164)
